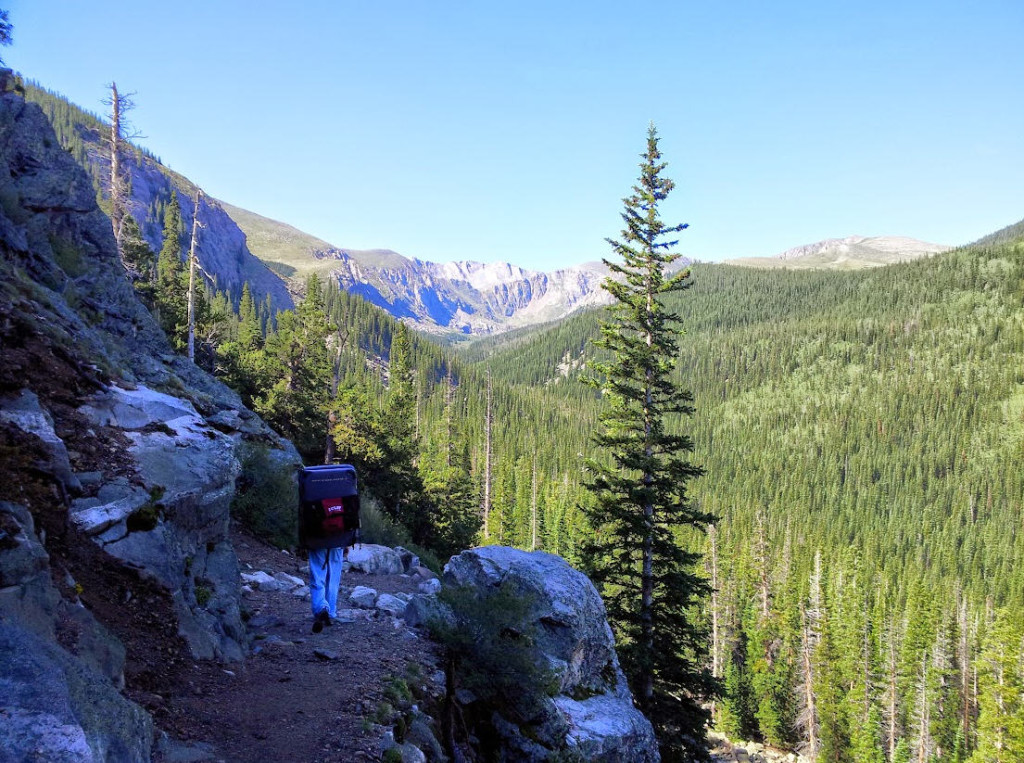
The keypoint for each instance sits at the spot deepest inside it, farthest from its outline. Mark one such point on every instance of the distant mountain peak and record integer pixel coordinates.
(849, 253)
(463, 296)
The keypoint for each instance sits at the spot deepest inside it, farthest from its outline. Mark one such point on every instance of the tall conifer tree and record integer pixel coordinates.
(639, 502)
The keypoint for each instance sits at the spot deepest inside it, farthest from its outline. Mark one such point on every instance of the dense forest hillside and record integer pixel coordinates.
(862, 435)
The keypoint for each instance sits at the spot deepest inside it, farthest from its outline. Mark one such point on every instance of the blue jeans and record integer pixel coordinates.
(324, 579)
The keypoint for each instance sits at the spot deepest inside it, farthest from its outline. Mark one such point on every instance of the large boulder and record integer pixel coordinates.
(593, 710)
(25, 412)
(56, 705)
(171, 520)
(375, 560)
(570, 626)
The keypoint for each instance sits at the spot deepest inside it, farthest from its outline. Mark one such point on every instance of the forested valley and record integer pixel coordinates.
(862, 436)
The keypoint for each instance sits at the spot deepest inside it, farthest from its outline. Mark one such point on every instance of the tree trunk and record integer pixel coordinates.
(487, 460)
(192, 280)
(647, 574)
(118, 200)
(533, 508)
(331, 447)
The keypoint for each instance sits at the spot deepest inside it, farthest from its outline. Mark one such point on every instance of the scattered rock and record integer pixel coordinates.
(424, 573)
(375, 560)
(25, 412)
(289, 580)
(363, 597)
(420, 609)
(327, 655)
(430, 587)
(393, 605)
(262, 581)
(421, 735)
(409, 559)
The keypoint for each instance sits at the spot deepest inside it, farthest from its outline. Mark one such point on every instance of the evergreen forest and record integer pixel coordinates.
(862, 441)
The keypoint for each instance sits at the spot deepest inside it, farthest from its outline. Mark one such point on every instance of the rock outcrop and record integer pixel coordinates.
(107, 440)
(57, 704)
(592, 713)
(171, 520)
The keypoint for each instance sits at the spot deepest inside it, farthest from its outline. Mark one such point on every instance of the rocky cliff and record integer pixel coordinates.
(118, 461)
(470, 298)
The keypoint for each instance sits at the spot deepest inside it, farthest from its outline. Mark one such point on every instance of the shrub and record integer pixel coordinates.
(377, 527)
(203, 595)
(266, 497)
(489, 642)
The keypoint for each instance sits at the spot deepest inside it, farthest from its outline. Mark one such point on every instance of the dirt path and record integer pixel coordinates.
(284, 702)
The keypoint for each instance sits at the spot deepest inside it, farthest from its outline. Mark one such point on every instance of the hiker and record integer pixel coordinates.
(325, 568)
(328, 527)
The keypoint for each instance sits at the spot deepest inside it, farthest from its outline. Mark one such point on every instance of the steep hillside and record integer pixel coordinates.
(862, 434)
(223, 252)
(890, 399)
(850, 253)
(119, 461)
(1009, 235)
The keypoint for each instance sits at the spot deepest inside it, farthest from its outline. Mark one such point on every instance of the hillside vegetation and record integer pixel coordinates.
(862, 435)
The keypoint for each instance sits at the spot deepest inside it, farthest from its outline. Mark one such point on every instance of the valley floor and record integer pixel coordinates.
(284, 702)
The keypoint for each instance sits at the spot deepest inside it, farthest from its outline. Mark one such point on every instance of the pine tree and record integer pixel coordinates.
(139, 259)
(170, 298)
(1001, 700)
(639, 501)
(401, 492)
(444, 469)
(297, 358)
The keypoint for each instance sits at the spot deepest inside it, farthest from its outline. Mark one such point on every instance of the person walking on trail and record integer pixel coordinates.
(325, 570)
(328, 526)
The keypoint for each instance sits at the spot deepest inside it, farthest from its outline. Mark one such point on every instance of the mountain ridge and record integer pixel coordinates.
(466, 297)
(848, 253)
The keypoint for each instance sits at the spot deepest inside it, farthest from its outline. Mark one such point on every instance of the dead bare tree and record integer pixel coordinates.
(716, 639)
(117, 138)
(810, 626)
(196, 225)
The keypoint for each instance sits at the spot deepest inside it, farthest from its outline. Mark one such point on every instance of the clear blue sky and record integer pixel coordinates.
(511, 130)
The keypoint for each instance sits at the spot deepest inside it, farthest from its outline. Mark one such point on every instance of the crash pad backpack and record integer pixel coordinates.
(328, 506)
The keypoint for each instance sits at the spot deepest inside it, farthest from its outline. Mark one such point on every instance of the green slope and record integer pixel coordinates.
(294, 254)
(879, 410)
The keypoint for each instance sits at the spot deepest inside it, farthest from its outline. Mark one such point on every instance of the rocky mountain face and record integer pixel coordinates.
(119, 460)
(237, 246)
(850, 253)
(470, 298)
